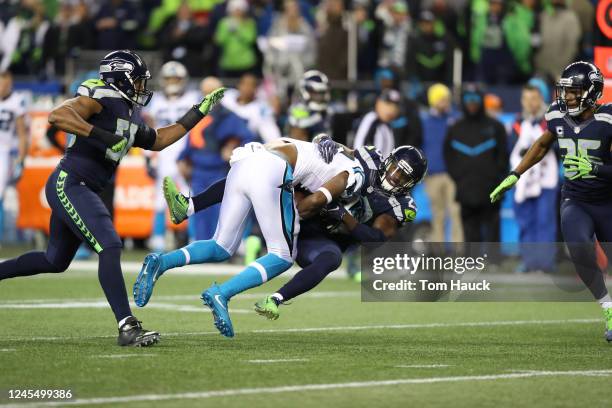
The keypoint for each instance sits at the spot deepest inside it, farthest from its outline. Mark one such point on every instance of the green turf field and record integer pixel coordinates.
(57, 333)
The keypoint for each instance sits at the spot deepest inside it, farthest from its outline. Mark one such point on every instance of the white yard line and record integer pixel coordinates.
(102, 304)
(423, 366)
(189, 297)
(306, 387)
(280, 360)
(7, 350)
(342, 328)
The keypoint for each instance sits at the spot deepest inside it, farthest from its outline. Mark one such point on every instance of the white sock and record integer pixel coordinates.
(190, 209)
(278, 297)
(123, 321)
(606, 302)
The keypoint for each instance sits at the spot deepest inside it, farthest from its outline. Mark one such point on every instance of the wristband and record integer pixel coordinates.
(108, 138)
(191, 118)
(326, 193)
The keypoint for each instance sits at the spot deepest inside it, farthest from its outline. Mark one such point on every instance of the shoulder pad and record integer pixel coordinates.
(370, 156)
(605, 108)
(97, 89)
(407, 207)
(553, 112)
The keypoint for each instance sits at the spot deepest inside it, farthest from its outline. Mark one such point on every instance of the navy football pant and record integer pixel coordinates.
(78, 215)
(581, 222)
(318, 255)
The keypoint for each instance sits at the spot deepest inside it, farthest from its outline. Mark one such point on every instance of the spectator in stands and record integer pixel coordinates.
(375, 127)
(522, 31)
(290, 48)
(117, 24)
(236, 35)
(332, 57)
(489, 45)
(369, 30)
(28, 43)
(476, 157)
(560, 36)
(397, 27)
(439, 186)
(430, 53)
(535, 195)
(74, 32)
(183, 39)
(258, 113)
(585, 11)
(205, 158)
(447, 19)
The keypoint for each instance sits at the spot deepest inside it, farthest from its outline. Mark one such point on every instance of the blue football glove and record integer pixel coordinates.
(17, 172)
(326, 146)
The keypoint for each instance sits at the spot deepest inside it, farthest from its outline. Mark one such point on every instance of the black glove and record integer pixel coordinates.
(327, 147)
(334, 212)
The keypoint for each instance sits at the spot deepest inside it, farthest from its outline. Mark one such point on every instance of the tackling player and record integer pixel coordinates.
(583, 130)
(383, 207)
(261, 178)
(13, 110)
(102, 115)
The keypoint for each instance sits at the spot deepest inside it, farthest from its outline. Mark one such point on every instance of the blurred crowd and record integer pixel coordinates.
(502, 41)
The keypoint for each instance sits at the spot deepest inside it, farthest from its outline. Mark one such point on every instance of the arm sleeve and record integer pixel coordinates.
(603, 171)
(145, 137)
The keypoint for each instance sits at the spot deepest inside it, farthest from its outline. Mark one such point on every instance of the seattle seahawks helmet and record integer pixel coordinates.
(128, 74)
(314, 89)
(585, 81)
(403, 169)
(174, 78)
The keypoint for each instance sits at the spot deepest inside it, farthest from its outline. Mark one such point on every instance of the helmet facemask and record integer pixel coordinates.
(581, 100)
(396, 176)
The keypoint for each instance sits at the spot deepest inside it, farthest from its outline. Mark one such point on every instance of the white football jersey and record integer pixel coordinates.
(258, 115)
(311, 171)
(14, 106)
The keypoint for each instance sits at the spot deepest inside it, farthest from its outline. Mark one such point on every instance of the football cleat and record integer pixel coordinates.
(217, 303)
(131, 333)
(178, 204)
(267, 308)
(150, 272)
(608, 316)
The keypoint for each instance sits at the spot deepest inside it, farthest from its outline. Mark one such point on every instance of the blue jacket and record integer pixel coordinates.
(435, 127)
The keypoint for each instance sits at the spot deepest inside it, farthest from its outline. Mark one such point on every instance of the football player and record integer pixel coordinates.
(102, 116)
(13, 122)
(260, 178)
(309, 117)
(167, 107)
(583, 129)
(384, 206)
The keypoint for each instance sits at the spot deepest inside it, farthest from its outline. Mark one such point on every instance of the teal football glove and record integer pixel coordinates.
(211, 100)
(579, 164)
(504, 186)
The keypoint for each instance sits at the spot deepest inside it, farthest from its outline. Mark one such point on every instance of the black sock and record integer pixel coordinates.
(211, 196)
(111, 280)
(311, 275)
(28, 264)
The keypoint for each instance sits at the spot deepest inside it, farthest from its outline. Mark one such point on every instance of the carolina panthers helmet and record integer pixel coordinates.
(314, 89)
(583, 78)
(128, 74)
(403, 169)
(174, 78)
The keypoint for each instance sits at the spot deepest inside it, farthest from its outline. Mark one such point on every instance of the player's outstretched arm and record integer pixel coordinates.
(384, 227)
(166, 136)
(328, 192)
(536, 152)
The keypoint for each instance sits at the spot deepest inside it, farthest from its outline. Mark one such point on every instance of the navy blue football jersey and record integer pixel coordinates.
(594, 138)
(90, 158)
